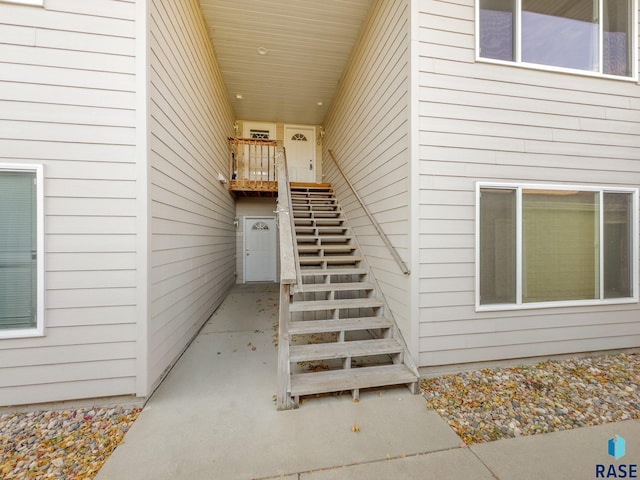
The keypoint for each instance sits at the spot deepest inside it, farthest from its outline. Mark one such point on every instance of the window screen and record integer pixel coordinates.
(18, 250)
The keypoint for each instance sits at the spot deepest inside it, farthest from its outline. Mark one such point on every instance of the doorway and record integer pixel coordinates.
(260, 253)
(300, 143)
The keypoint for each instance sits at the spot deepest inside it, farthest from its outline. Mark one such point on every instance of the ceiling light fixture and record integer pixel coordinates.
(319, 104)
(239, 96)
(262, 50)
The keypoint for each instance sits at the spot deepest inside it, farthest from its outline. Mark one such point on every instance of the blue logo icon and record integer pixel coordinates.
(616, 447)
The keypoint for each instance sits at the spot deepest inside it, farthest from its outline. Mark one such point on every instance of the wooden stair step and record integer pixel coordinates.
(323, 238)
(336, 229)
(313, 206)
(308, 272)
(341, 325)
(358, 348)
(329, 259)
(314, 202)
(309, 185)
(320, 305)
(326, 248)
(335, 287)
(350, 379)
(300, 220)
(312, 194)
(316, 216)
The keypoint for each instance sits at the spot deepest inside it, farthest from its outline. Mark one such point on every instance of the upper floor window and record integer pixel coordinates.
(589, 35)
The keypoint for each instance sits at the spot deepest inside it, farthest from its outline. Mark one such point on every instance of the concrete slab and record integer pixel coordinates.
(449, 464)
(569, 455)
(215, 417)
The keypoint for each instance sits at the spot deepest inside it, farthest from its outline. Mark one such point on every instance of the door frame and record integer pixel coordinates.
(245, 220)
(313, 142)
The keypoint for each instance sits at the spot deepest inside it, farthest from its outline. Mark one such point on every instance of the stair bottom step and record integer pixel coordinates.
(350, 379)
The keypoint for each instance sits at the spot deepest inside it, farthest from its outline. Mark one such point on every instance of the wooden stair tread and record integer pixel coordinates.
(358, 348)
(335, 287)
(340, 325)
(324, 238)
(329, 259)
(350, 379)
(321, 228)
(308, 272)
(317, 220)
(319, 305)
(311, 215)
(314, 248)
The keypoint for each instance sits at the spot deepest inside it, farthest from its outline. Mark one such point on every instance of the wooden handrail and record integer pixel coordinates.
(289, 276)
(385, 239)
(289, 266)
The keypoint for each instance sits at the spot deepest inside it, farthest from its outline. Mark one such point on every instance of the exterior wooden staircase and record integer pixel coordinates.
(339, 333)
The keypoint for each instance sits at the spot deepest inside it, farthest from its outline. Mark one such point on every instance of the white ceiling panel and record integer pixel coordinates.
(307, 43)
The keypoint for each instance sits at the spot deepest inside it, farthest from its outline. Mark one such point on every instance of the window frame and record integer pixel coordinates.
(33, 3)
(551, 68)
(39, 330)
(519, 305)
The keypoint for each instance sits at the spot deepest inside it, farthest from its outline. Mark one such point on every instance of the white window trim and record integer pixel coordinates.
(39, 330)
(519, 187)
(35, 3)
(550, 68)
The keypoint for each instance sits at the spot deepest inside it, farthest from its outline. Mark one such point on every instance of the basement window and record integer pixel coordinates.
(555, 246)
(21, 251)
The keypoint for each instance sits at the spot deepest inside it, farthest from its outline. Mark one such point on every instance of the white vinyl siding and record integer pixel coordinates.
(192, 262)
(367, 129)
(497, 123)
(67, 92)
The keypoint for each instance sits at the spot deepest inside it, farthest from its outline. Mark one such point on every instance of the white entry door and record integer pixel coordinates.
(260, 249)
(300, 143)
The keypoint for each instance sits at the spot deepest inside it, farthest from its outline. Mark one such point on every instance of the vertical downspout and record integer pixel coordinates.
(143, 245)
(413, 342)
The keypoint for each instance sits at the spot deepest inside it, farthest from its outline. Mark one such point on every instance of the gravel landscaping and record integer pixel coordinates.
(70, 444)
(491, 404)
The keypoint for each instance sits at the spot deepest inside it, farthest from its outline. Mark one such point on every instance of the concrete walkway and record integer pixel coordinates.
(214, 417)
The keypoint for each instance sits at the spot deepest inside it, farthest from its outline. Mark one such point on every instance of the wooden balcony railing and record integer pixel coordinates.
(252, 164)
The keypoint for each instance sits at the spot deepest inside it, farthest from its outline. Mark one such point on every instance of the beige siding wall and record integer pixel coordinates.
(367, 129)
(67, 101)
(193, 237)
(480, 122)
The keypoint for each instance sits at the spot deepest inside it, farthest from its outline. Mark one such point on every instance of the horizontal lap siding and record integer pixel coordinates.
(483, 122)
(192, 233)
(67, 92)
(67, 86)
(367, 129)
